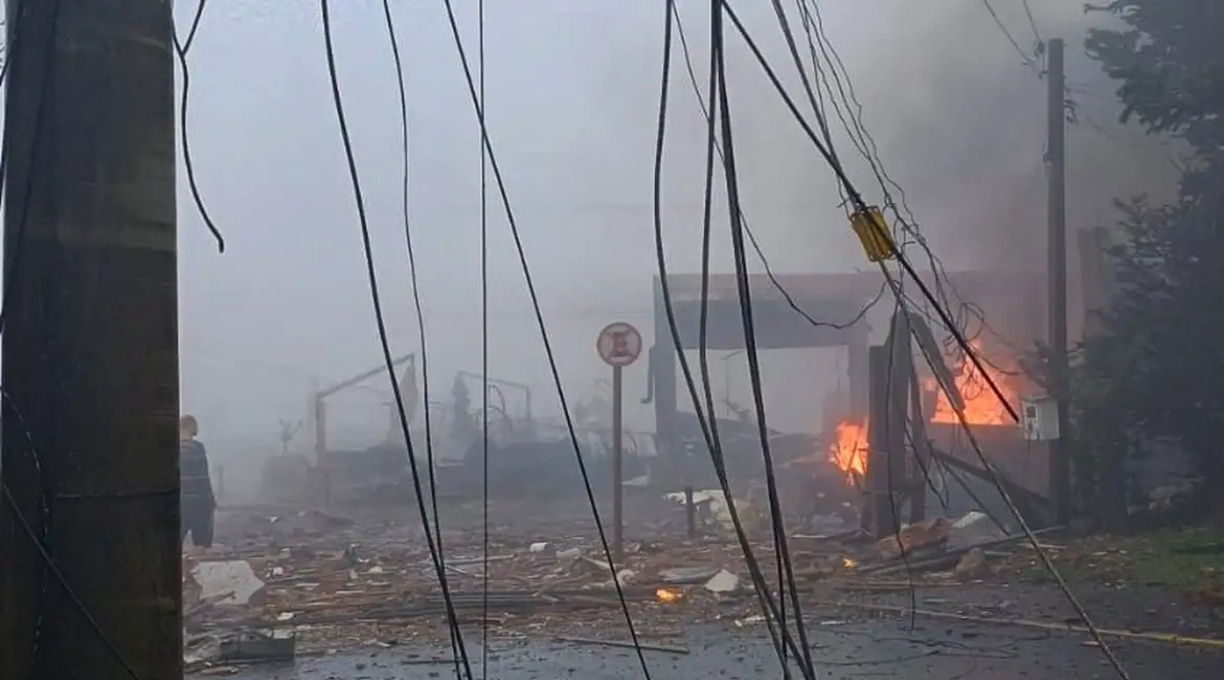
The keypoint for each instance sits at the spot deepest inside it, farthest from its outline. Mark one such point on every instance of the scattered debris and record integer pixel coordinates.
(722, 583)
(930, 533)
(333, 583)
(749, 620)
(230, 582)
(623, 644)
(975, 528)
(972, 566)
(258, 647)
(683, 576)
(1166, 638)
(711, 506)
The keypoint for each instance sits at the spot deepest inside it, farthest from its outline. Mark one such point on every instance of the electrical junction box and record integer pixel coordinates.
(1039, 418)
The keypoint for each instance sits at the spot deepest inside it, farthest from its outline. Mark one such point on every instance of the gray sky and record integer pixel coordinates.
(572, 103)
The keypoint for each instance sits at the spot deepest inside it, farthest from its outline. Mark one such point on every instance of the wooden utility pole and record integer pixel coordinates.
(896, 423)
(90, 352)
(1060, 463)
(886, 442)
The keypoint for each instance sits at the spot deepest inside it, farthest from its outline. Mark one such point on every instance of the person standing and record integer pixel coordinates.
(196, 493)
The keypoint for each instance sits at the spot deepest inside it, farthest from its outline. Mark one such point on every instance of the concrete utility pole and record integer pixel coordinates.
(1060, 463)
(90, 352)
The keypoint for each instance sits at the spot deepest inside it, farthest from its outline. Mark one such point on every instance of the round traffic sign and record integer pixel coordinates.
(619, 344)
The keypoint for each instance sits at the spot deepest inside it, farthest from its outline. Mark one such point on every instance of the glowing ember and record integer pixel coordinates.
(666, 595)
(982, 407)
(849, 563)
(849, 448)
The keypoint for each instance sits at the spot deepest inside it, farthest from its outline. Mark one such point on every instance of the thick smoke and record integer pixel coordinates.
(959, 119)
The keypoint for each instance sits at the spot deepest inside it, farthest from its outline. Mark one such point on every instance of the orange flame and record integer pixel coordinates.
(848, 451)
(849, 448)
(667, 595)
(982, 407)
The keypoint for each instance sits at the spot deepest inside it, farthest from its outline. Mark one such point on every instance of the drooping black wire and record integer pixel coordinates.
(857, 200)
(903, 214)
(812, 31)
(850, 112)
(707, 421)
(852, 121)
(1042, 554)
(434, 548)
(859, 136)
(180, 49)
(539, 316)
(954, 331)
(731, 178)
(1028, 12)
(866, 146)
(973, 356)
(792, 47)
(401, 85)
(77, 602)
(1024, 57)
(195, 26)
(484, 351)
(756, 246)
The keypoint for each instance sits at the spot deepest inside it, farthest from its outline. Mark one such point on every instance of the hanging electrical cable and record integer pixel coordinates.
(539, 316)
(841, 94)
(856, 199)
(731, 178)
(434, 546)
(484, 351)
(1042, 554)
(769, 273)
(707, 422)
(970, 354)
(849, 111)
(180, 49)
(1025, 59)
(418, 308)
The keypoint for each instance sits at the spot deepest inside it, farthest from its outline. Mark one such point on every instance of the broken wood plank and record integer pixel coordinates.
(622, 644)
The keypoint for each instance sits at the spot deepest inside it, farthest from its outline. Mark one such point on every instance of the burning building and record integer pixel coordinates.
(1013, 302)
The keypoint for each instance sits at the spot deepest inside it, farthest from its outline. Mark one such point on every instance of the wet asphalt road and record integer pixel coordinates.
(869, 649)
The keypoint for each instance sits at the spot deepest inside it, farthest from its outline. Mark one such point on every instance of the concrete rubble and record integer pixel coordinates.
(722, 583)
(227, 582)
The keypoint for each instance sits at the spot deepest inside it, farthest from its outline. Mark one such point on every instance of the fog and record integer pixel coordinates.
(572, 99)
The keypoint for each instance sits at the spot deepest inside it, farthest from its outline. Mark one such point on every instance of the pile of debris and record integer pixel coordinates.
(963, 548)
(327, 594)
(309, 582)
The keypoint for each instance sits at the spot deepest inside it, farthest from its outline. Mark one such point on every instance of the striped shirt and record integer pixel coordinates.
(194, 480)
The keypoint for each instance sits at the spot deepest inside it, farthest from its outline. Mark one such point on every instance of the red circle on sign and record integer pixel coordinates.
(619, 344)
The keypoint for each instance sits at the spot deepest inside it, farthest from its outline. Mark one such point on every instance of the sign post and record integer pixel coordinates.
(619, 345)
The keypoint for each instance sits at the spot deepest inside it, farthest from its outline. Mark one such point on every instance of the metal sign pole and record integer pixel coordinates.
(619, 345)
(618, 467)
